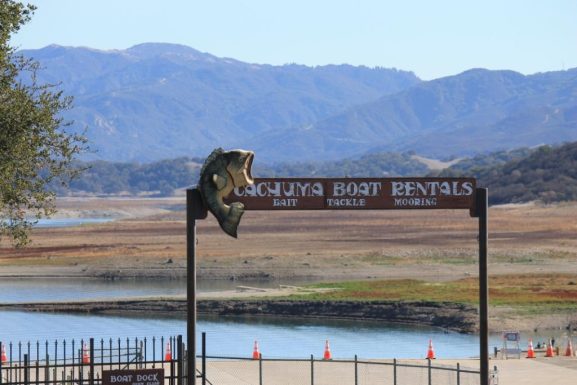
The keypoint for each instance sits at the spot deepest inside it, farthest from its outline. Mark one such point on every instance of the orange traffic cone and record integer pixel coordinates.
(168, 353)
(255, 352)
(530, 351)
(85, 354)
(327, 355)
(430, 351)
(569, 349)
(4, 358)
(549, 352)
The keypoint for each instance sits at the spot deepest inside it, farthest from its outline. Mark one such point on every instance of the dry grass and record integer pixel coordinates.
(432, 245)
(519, 290)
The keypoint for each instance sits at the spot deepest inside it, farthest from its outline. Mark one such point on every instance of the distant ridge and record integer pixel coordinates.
(155, 101)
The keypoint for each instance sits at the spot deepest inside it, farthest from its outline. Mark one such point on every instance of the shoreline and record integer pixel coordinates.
(263, 302)
(449, 316)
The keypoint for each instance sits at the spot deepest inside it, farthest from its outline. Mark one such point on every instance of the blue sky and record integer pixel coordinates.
(432, 38)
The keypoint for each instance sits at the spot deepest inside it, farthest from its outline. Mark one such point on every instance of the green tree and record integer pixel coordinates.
(35, 147)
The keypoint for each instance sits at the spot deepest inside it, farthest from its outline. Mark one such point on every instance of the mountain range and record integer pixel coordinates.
(156, 101)
(477, 111)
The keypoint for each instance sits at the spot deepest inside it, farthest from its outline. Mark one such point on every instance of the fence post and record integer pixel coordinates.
(26, 374)
(37, 369)
(179, 357)
(91, 373)
(312, 370)
(47, 367)
(260, 369)
(170, 349)
(458, 374)
(203, 358)
(356, 371)
(430, 372)
(1, 350)
(394, 371)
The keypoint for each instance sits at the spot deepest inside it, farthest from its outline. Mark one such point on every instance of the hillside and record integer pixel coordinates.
(479, 163)
(160, 178)
(159, 101)
(547, 174)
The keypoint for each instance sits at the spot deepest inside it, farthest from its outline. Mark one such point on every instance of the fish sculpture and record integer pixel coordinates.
(221, 173)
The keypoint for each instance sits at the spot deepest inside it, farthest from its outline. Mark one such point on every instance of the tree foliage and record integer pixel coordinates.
(35, 147)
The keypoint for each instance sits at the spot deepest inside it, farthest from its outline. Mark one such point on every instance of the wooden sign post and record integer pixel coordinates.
(352, 194)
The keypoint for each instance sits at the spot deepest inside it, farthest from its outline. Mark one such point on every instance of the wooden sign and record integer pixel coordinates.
(356, 193)
(133, 377)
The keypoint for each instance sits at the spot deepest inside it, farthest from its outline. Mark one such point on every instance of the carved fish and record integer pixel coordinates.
(221, 173)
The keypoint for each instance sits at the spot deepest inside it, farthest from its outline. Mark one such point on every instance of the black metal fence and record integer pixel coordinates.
(242, 370)
(82, 362)
(219, 370)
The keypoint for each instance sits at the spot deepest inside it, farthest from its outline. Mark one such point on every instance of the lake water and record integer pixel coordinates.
(235, 336)
(15, 290)
(24, 290)
(68, 222)
(230, 336)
